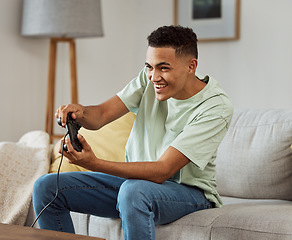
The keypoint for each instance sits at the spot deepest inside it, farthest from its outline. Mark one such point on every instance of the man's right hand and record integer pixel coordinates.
(76, 109)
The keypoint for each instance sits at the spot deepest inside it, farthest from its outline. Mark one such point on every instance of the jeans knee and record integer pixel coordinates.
(132, 197)
(44, 185)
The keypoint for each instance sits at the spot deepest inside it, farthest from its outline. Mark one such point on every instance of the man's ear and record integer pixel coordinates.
(193, 64)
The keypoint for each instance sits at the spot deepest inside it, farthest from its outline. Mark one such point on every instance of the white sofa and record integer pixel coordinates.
(254, 177)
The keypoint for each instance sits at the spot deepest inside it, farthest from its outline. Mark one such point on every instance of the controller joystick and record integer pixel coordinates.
(59, 121)
(72, 127)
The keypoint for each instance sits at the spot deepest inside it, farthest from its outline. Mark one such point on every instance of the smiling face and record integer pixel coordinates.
(171, 76)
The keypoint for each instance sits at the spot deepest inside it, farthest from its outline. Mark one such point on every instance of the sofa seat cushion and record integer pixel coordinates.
(253, 221)
(255, 159)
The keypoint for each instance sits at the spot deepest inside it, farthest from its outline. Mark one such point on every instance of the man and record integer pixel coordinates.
(169, 170)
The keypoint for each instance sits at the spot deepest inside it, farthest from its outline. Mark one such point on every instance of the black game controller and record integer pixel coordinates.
(72, 127)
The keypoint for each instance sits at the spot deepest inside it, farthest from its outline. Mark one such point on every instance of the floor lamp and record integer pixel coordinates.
(61, 21)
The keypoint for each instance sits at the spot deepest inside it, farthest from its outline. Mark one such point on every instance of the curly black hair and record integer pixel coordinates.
(182, 39)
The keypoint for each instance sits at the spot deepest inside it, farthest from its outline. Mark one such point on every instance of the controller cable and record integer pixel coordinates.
(57, 188)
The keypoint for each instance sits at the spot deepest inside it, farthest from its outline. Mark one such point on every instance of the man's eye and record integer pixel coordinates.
(164, 68)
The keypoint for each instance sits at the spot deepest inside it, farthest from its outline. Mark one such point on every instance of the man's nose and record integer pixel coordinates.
(155, 76)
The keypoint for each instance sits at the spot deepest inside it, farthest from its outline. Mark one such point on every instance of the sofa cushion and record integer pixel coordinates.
(253, 221)
(107, 143)
(255, 159)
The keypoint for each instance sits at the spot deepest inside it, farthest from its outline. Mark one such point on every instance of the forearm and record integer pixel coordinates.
(158, 171)
(151, 171)
(95, 117)
(92, 117)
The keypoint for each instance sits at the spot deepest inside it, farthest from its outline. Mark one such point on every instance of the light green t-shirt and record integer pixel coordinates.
(194, 126)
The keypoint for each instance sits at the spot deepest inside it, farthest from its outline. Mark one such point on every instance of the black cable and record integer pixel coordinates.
(57, 188)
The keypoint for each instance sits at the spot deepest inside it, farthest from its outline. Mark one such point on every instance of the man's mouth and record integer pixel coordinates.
(160, 86)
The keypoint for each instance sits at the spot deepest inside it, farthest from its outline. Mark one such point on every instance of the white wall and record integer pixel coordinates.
(255, 71)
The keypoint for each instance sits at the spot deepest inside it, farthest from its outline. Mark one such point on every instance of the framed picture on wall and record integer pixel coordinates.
(211, 20)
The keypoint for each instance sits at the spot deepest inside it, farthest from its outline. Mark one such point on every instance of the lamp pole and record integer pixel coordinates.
(50, 117)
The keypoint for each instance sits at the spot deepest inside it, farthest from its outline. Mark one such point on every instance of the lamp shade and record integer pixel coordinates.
(62, 18)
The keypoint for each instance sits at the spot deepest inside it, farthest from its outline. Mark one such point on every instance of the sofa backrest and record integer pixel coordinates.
(255, 157)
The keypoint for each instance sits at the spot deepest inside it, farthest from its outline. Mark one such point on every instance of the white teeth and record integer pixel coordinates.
(160, 86)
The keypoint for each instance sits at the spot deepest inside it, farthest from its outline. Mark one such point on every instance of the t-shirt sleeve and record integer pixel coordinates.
(200, 139)
(131, 95)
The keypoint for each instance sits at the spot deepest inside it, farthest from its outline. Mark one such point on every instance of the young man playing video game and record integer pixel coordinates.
(169, 171)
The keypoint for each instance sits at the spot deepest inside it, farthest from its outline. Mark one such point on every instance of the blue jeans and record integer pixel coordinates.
(140, 204)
